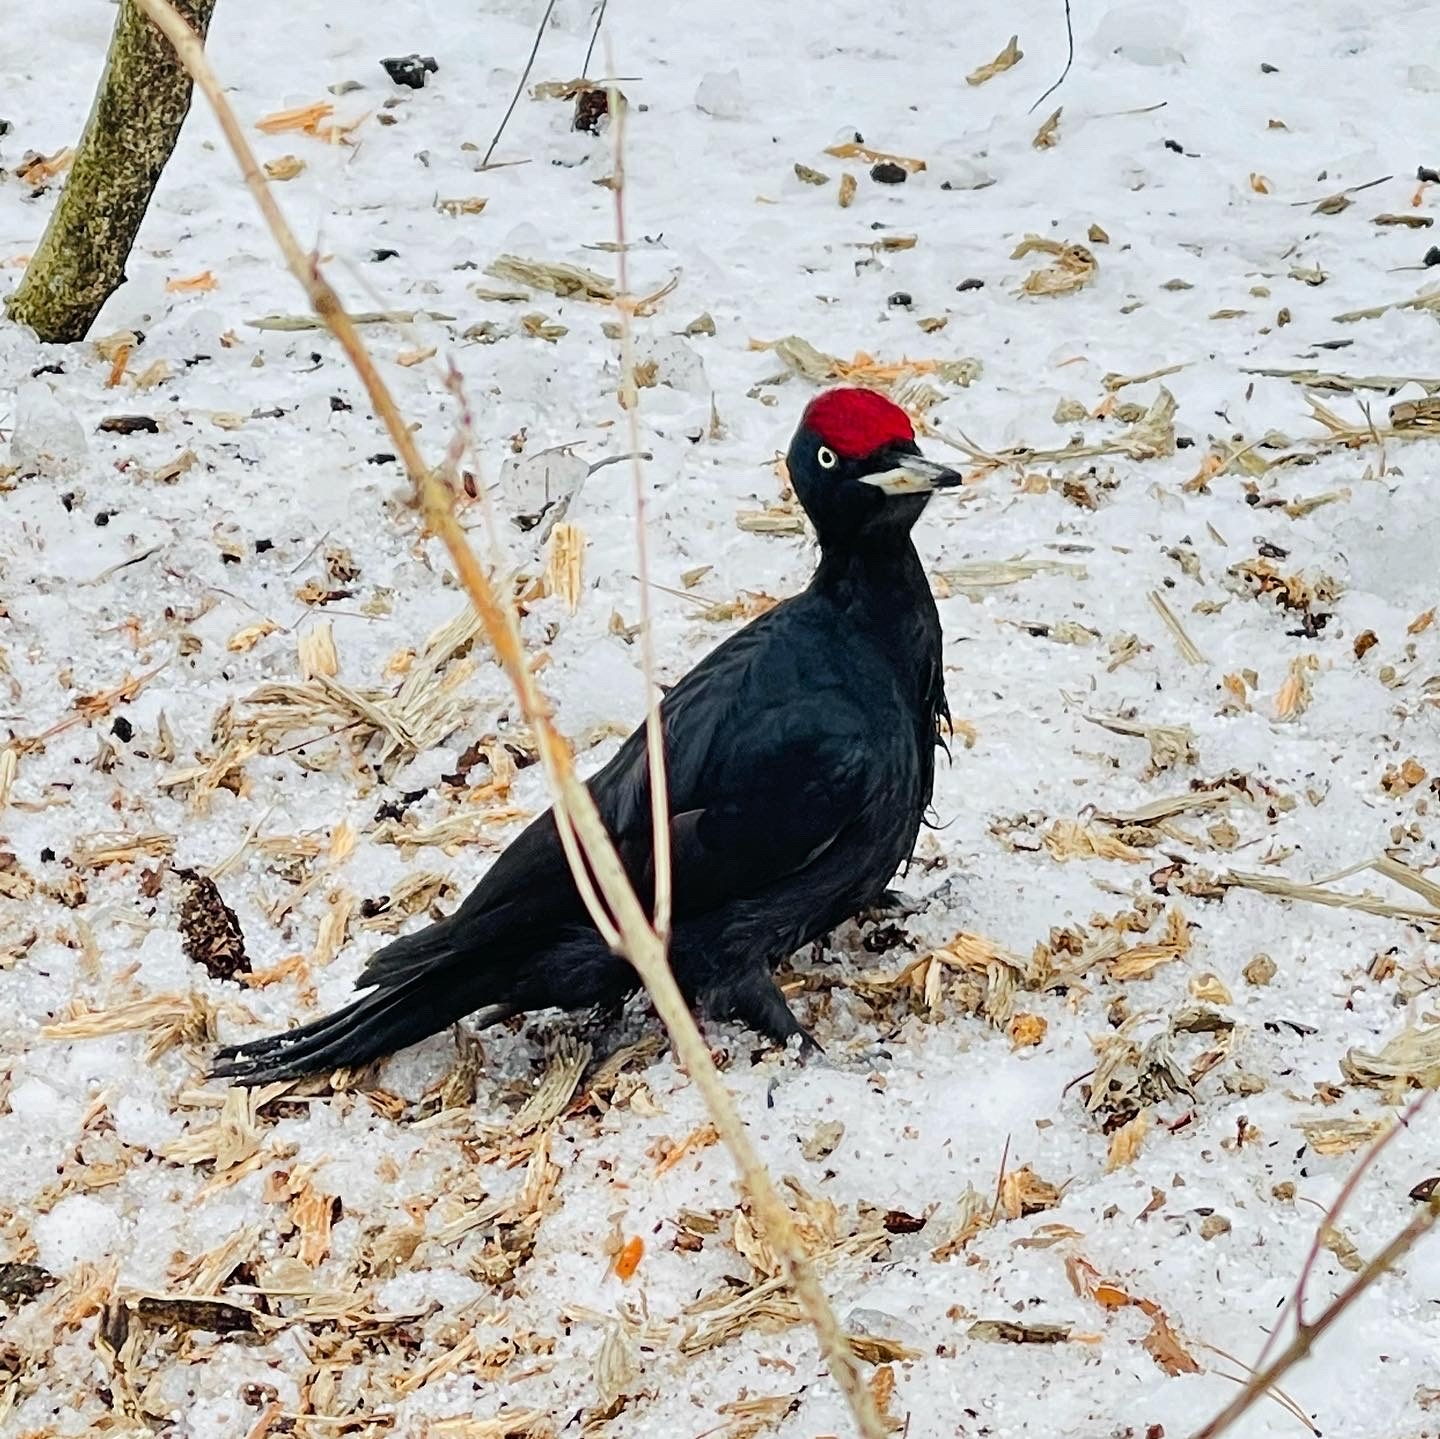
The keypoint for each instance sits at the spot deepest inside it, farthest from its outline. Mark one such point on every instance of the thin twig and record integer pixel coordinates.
(630, 400)
(1296, 1301)
(1069, 59)
(520, 87)
(1304, 1340)
(573, 802)
(594, 36)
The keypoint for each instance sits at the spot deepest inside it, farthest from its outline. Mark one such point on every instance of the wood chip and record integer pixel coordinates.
(1007, 59)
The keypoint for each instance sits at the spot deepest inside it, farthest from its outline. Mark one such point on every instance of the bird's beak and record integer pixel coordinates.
(910, 474)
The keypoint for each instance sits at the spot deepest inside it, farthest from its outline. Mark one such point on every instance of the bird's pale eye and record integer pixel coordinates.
(826, 457)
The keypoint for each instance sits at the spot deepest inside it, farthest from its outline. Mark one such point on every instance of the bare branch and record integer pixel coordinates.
(1266, 1377)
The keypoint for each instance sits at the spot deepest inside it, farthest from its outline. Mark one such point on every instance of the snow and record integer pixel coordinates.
(110, 572)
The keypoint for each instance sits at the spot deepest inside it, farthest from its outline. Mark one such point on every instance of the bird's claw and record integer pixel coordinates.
(894, 904)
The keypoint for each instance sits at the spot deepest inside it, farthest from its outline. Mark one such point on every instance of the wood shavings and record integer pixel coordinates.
(427, 708)
(1412, 1058)
(1007, 59)
(298, 323)
(1279, 885)
(311, 1212)
(1114, 382)
(1046, 138)
(1074, 267)
(1009, 1331)
(975, 1214)
(1161, 1342)
(565, 281)
(99, 851)
(564, 568)
(1125, 1142)
(556, 1088)
(1068, 839)
(1331, 1136)
(170, 1019)
(468, 205)
(781, 519)
(232, 1139)
(1347, 384)
(1023, 1192)
(979, 576)
(1293, 697)
(765, 1307)
(701, 1138)
(508, 1424)
(1140, 960)
(316, 650)
(334, 923)
(854, 150)
(284, 167)
(801, 357)
(1170, 745)
(38, 170)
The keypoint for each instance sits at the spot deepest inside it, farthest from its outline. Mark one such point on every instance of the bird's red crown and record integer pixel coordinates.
(855, 423)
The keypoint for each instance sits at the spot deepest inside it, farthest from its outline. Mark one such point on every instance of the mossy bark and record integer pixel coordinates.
(141, 104)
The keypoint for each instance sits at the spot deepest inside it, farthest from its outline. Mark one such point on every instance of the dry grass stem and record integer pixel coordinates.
(589, 844)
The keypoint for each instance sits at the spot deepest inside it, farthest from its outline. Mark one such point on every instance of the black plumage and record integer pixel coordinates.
(800, 759)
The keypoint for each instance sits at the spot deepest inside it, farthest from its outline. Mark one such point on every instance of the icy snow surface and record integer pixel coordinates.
(1203, 172)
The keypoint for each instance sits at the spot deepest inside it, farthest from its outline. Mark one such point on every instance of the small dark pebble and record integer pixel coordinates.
(900, 300)
(129, 425)
(103, 517)
(47, 855)
(1432, 255)
(23, 1281)
(887, 172)
(337, 404)
(1176, 146)
(1183, 442)
(264, 546)
(591, 107)
(5, 127)
(376, 256)
(1425, 172)
(46, 370)
(970, 284)
(122, 729)
(257, 1395)
(67, 500)
(410, 70)
(1266, 68)
(381, 459)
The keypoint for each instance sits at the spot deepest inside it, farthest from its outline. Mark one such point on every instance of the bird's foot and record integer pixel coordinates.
(893, 904)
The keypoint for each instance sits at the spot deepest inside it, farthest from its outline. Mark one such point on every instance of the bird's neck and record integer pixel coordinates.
(885, 581)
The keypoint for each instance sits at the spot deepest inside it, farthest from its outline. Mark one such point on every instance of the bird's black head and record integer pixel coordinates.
(858, 472)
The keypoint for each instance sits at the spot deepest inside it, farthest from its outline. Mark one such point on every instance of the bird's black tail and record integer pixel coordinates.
(415, 994)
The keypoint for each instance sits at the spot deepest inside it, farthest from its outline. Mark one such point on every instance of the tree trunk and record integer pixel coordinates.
(141, 104)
